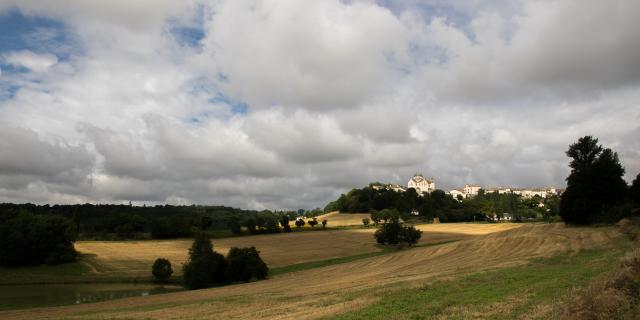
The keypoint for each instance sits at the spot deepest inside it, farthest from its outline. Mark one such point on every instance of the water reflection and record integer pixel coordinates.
(29, 296)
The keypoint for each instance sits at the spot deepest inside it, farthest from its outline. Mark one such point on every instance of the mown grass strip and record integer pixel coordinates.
(507, 293)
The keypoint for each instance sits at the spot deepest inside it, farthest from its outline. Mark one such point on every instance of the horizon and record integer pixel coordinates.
(281, 104)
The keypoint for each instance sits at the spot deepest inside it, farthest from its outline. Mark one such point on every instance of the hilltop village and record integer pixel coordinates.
(423, 185)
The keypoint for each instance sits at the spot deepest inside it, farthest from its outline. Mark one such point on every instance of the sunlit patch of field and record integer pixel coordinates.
(335, 289)
(336, 219)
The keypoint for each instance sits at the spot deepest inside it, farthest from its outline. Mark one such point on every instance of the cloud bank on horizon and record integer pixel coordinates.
(287, 104)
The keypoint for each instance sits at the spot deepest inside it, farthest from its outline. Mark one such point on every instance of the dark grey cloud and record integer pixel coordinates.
(24, 153)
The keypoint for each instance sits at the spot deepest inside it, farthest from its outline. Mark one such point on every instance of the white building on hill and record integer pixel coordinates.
(421, 184)
(471, 190)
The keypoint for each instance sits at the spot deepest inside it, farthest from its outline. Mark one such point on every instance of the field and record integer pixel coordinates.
(507, 270)
(336, 219)
(114, 261)
(134, 258)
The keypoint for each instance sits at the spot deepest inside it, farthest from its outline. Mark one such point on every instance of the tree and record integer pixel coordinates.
(245, 264)
(270, 224)
(410, 235)
(251, 224)
(205, 222)
(634, 191)
(366, 222)
(284, 222)
(595, 184)
(324, 223)
(394, 233)
(235, 227)
(388, 233)
(312, 222)
(375, 216)
(161, 270)
(29, 239)
(300, 223)
(200, 247)
(205, 267)
(205, 271)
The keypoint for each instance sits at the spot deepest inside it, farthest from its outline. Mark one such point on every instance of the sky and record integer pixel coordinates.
(287, 104)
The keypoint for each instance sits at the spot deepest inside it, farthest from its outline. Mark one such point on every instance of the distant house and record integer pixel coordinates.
(387, 186)
(502, 217)
(456, 192)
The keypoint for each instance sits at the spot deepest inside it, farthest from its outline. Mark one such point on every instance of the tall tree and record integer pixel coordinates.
(595, 183)
(634, 191)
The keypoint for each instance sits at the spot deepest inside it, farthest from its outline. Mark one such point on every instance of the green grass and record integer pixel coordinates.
(507, 293)
(42, 273)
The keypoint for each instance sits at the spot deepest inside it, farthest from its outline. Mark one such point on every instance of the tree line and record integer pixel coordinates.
(107, 221)
(443, 206)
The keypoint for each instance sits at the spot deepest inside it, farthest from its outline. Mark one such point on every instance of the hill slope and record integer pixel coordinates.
(339, 288)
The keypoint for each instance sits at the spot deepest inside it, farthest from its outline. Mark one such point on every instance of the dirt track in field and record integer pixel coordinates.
(338, 288)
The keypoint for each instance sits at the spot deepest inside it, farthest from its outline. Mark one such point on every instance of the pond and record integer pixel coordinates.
(31, 296)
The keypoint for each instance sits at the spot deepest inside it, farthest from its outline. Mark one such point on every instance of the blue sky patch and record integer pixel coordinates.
(37, 34)
(237, 107)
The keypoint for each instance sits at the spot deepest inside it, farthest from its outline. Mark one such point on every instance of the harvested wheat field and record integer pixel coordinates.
(337, 219)
(134, 258)
(339, 288)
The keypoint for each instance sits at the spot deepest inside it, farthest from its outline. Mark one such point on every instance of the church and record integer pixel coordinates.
(421, 184)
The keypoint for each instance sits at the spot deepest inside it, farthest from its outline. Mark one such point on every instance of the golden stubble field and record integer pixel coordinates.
(134, 258)
(343, 219)
(338, 288)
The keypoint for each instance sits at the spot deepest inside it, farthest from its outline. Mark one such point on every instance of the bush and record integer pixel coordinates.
(245, 264)
(28, 239)
(394, 233)
(300, 223)
(366, 222)
(161, 269)
(312, 222)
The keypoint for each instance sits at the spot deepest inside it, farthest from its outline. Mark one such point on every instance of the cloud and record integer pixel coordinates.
(317, 55)
(283, 104)
(30, 60)
(27, 156)
(301, 137)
